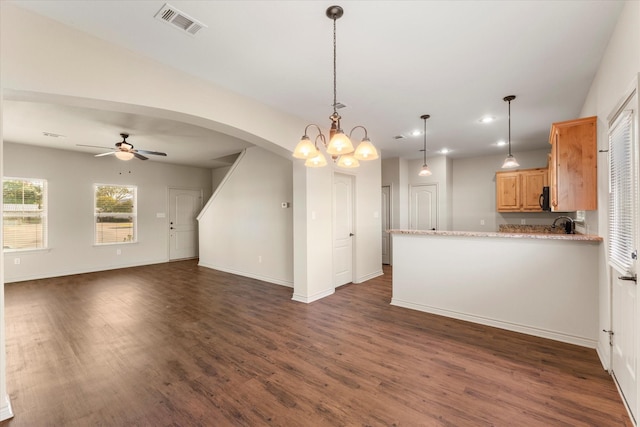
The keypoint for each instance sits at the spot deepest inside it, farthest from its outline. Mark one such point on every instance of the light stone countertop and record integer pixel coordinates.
(540, 236)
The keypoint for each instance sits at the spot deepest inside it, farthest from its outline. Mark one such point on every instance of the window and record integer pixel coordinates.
(621, 205)
(24, 216)
(115, 214)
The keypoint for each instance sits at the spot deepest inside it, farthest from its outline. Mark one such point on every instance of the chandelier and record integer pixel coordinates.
(339, 146)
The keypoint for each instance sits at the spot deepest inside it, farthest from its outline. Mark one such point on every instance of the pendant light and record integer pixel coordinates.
(510, 161)
(339, 146)
(424, 170)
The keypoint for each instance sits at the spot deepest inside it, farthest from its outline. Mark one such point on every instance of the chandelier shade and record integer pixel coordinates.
(339, 147)
(305, 149)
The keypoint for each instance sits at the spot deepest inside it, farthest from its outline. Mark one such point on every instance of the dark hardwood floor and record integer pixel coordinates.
(179, 345)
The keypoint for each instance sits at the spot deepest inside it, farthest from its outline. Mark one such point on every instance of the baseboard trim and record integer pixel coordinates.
(250, 275)
(314, 297)
(82, 271)
(515, 327)
(6, 411)
(369, 276)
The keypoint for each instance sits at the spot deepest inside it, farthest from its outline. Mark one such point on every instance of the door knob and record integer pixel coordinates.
(170, 228)
(351, 234)
(633, 278)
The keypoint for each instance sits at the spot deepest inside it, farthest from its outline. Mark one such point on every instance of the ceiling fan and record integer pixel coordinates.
(124, 150)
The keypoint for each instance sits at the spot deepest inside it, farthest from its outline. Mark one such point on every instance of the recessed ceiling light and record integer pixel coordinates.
(501, 143)
(487, 119)
(416, 133)
(445, 151)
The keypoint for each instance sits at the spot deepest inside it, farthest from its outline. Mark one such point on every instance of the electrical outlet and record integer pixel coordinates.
(523, 221)
(118, 251)
(482, 222)
(16, 261)
(260, 259)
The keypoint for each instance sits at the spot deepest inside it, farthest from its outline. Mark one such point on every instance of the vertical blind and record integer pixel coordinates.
(621, 192)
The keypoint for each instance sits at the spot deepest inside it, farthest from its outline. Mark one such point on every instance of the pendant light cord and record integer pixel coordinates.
(425, 141)
(509, 128)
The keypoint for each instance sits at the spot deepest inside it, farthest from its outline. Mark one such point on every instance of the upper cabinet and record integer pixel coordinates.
(573, 165)
(519, 191)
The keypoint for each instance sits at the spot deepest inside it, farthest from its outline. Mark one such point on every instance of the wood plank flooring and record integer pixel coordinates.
(180, 345)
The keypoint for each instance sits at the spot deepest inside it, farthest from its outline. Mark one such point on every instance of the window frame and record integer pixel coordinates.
(43, 215)
(133, 214)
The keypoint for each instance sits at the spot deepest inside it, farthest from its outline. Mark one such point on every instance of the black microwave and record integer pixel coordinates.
(544, 199)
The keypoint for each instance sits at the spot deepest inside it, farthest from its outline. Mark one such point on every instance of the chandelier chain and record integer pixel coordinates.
(334, 68)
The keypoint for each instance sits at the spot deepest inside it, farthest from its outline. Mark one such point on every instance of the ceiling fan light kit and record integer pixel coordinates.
(339, 147)
(124, 150)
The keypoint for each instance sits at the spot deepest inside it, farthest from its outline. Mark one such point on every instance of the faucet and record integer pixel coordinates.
(569, 226)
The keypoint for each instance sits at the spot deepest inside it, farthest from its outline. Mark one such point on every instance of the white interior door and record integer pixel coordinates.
(624, 341)
(184, 206)
(342, 229)
(622, 251)
(386, 224)
(423, 207)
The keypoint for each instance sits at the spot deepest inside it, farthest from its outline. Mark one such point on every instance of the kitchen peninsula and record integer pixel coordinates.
(539, 284)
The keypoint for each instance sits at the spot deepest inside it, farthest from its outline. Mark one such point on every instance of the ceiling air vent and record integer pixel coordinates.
(178, 19)
(399, 137)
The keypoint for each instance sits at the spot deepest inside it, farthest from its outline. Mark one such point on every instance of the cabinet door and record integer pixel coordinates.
(553, 172)
(573, 167)
(508, 191)
(532, 183)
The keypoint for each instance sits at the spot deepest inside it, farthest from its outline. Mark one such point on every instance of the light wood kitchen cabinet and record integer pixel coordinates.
(573, 184)
(519, 191)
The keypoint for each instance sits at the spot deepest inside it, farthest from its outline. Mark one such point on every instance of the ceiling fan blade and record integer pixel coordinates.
(155, 153)
(105, 154)
(94, 146)
(139, 156)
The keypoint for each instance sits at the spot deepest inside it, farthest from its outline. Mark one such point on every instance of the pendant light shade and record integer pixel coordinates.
(510, 161)
(424, 170)
(339, 146)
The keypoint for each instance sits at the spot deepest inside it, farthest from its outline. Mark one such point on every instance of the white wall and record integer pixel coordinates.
(217, 175)
(86, 71)
(441, 174)
(70, 177)
(483, 280)
(243, 228)
(314, 225)
(618, 70)
(474, 192)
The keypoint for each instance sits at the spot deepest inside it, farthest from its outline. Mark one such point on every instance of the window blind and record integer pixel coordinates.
(621, 188)
(24, 214)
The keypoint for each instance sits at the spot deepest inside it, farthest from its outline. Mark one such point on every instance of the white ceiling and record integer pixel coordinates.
(397, 60)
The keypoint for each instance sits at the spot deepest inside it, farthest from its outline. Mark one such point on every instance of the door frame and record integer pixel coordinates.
(167, 218)
(611, 274)
(390, 218)
(437, 187)
(354, 239)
